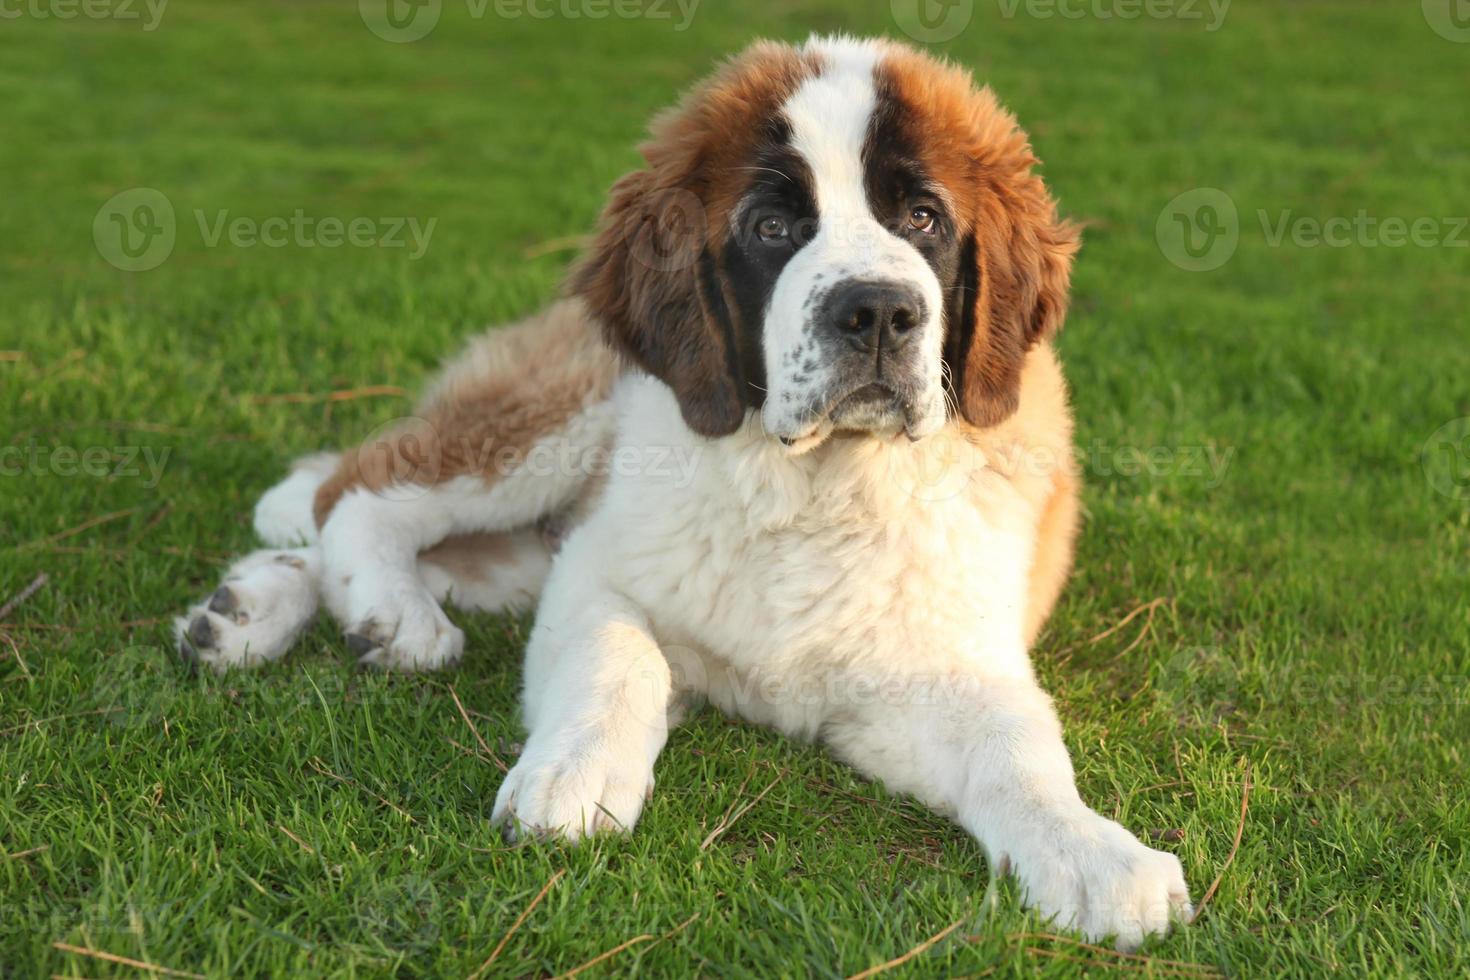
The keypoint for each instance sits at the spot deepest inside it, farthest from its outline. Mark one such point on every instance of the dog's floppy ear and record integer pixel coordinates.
(1016, 270)
(650, 278)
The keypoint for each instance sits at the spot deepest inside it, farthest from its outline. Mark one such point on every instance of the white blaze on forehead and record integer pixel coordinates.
(809, 368)
(830, 115)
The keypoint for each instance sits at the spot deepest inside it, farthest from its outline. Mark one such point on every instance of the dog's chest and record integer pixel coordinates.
(806, 568)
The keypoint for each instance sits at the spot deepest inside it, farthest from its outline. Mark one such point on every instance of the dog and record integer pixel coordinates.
(796, 444)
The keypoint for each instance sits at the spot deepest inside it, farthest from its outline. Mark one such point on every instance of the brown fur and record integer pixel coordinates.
(1008, 383)
(1022, 252)
(1032, 449)
(649, 275)
(468, 557)
(510, 389)
(651, 288)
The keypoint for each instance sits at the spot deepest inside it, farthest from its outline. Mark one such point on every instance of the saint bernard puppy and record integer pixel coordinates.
(796, 444)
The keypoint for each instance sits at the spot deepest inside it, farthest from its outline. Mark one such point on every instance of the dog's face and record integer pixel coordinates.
(846, 236)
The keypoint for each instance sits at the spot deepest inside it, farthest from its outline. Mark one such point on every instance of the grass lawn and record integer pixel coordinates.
(1264, 480)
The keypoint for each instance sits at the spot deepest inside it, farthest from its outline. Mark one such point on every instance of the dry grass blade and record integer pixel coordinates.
(1146, 607)
(38, 722)
(321, 767)
(98, 954)
(517, 923)
(299, 842)
(1147, 967)
(918, 950)
(30, 853)
(99, 628)
(476, 732)
(1245, 802)
(1202, 968)
(732, 814)
(37, 584)
(347, 395)
(645, 938)
(566, 243)
(116, 515)
(15, 652)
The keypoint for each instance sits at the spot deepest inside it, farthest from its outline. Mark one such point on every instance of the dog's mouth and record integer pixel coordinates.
(871, 408)
(874, 398)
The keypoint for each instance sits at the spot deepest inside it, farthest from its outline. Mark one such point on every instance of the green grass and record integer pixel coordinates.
(303, 819)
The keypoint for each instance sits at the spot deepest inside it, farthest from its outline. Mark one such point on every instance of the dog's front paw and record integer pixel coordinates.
(397, 625)
(266, 600)
(575, 789)
(1099, 879)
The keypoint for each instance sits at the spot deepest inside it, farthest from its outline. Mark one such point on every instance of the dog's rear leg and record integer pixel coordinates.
(499, 444)
(268, 597)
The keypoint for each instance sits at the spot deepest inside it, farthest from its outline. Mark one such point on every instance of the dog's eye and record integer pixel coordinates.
(924, 220)
(772, 229)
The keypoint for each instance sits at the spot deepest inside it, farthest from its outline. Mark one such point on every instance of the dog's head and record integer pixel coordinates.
(848, 235)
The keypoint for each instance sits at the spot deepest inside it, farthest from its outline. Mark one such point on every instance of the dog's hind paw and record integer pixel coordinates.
(266, 600)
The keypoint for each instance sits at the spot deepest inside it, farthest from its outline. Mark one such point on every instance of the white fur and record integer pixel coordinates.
(273, 595)
(817, 595)
(828, 593)
(371, 543)
(283, 516)
(829, 116)
(275, 598)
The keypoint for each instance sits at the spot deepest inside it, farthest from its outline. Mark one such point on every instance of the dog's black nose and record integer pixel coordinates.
(876, 316)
